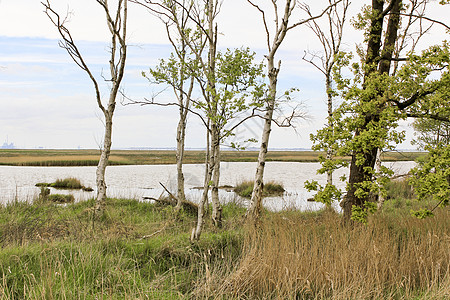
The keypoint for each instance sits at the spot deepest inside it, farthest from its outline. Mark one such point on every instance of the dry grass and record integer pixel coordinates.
(144, 157)
(293, 257)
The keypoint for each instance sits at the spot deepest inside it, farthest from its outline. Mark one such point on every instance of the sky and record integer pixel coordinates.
(48, 102)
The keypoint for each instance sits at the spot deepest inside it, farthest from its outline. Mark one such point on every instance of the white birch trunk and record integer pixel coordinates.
(103, 163)
(117, 25)
(255, 207)
(197, 230)
(378, 170)
(216, 207)
(215, 131)
(330, 124)
(181, 133)
(281, 28)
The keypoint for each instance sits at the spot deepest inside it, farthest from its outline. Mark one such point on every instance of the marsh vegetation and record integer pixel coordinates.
(73, 158)
(270, 189)
(70, 183)
(141, 250)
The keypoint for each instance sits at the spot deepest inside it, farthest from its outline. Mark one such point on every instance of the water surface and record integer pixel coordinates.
(143, 181)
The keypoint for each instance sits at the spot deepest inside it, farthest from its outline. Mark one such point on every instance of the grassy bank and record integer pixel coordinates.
(142, 251)
(144, 157)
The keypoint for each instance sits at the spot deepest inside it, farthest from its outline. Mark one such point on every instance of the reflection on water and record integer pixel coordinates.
(143, 181)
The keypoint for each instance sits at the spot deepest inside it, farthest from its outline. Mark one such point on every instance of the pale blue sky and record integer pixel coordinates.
(47, 101)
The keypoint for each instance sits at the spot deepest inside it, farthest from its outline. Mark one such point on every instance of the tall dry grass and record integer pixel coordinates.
(294, 257)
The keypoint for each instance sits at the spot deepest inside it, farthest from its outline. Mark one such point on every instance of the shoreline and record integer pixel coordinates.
(67, 158)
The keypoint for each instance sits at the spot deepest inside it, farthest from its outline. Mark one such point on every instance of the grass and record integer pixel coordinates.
(70, 183)
(140, 250)
(245, 189)
(59, 198)
(293, 257)
(50, 251)
(401, 199)
(67, 183)
(17, 157)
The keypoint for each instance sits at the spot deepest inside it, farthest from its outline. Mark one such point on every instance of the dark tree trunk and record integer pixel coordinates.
(377, 62)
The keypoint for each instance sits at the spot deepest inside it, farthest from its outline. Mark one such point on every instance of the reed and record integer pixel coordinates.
(20, 157)
(291, 257)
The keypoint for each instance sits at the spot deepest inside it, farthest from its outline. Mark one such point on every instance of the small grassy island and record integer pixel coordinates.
(67, 183)
(270, 189)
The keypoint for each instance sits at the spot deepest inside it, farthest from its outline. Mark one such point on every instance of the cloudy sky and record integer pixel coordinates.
(47, 101)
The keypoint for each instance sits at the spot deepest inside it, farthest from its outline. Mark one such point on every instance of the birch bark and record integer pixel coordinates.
(117, 25)
(281, 28)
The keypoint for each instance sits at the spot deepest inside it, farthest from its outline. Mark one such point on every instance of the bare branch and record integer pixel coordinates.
(152, 101)
(429, 116)
(314, 17)
(69, 45)
(264, 22)
(426, 18)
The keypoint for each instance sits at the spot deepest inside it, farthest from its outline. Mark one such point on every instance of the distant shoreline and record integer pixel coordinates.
(40, 157)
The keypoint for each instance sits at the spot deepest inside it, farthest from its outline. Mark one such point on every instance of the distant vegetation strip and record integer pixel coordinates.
(71, 158)
(60, 163)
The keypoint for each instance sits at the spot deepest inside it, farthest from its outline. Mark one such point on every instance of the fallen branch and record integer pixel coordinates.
(154, 233)
(188, 206)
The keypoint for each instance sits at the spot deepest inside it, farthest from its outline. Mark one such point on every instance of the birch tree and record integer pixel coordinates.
(227, 86)
(117, 24)
(330, 39)
(202, 15)
(176, 71)
(275, 36)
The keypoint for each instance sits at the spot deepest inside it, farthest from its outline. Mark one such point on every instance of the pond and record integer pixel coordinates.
(18, 183)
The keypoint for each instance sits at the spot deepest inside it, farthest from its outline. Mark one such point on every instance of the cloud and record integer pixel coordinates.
(25, 69)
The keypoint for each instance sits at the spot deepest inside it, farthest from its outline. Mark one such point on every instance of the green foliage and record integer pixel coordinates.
(374, 103)
(421, 213)
(431, 132)
(361, 214)
(231, 90)
(431, 178)
(325, 195)
(238, 88)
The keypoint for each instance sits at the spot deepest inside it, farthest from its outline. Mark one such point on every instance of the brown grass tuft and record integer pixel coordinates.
(317, 257)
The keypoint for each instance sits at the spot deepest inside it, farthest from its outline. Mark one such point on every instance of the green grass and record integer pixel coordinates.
(59, 198)
(67, 183)
(245, 189)
(141, 250)
(70, 183)
(401, 199)
(49, 251)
